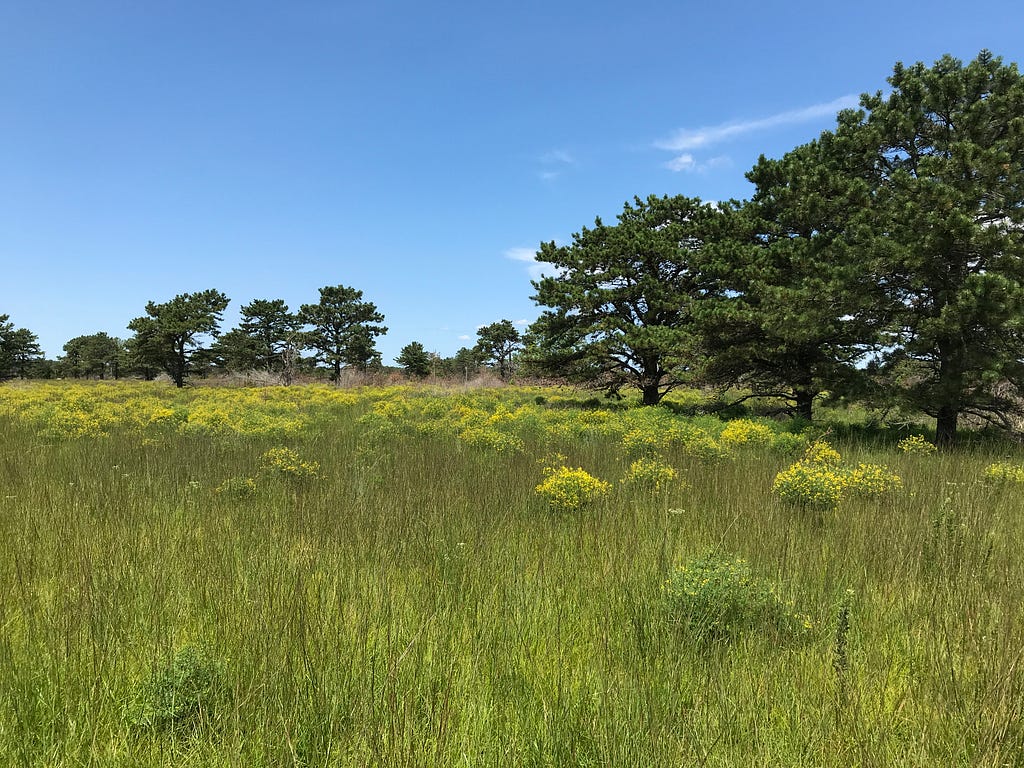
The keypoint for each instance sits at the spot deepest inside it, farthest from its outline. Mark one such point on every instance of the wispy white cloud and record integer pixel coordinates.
(558, 156)
(523, 323)
(684, 162)
(536, 269)
(554, 163)
(719, 161)
(687, 139)
(521, 254)
(688, 163)
(466, 336)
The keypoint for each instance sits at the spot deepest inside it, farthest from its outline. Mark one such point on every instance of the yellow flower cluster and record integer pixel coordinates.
(1005, 472)
(699, 443)
(287, 463)
(818, 481)
(743, 432)
(872, 480)
(916, 444)
(820, 452)
(500, 420)
(569, 490)
(651, 474)
(69, 411)
(491, 440)
(640, 441)
(810, 484)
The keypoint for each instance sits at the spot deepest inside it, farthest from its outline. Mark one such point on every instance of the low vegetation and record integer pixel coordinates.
(518, 576)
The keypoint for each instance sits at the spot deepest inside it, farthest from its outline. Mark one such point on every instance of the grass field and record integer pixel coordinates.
(319, 577)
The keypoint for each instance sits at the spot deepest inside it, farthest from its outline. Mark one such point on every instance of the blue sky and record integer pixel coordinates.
(418, 152)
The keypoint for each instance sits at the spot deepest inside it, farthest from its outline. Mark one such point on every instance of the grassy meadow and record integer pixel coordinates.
(403, 576)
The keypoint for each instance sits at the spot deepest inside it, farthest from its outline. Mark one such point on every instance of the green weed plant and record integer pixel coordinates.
(714, 598)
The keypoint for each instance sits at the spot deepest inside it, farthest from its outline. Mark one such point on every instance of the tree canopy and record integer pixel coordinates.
(497, 345)
(19, 349)
(789, 316)
(343, 329)
(266, 339)
(171, 333)
(944, 153)
(415, 359)
(622, 297)
(96, 355)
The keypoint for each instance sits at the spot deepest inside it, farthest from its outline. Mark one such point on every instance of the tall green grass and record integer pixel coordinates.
(419, 605)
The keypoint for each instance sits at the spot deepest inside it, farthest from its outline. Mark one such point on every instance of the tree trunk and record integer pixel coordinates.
(652, 394)
(950, 390)
(804, 403)
(945, 426)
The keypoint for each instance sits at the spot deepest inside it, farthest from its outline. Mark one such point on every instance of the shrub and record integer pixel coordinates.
(788, 443)
(650, 474)
(701, 445)
(821, 453)
(1005, 472)
(491, 440)
(742, 433)
(811, 485)
(568, 490)
(916, 444)
(190, 691)
(287, 463)
(642, 440)
(714, 598)
(237, 487)
(873, 480)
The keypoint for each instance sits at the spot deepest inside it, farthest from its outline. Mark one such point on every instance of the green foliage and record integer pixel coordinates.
(169, 336)
(621, 299)
(841, 645)
(237, 487)
(712, 598)
(490, 439)
(788, 443)
(266, 339)
(786, 318)
(96, 355)
(945, 153)
(872, 480)
(463, 619)
(810, 485)
(192, 692)
(497, 345)
(415, 360)
(343, 329)
(818, 481)
(19, 349)
(287, 463)
(650, 474)
(743, 433)
(821, 453)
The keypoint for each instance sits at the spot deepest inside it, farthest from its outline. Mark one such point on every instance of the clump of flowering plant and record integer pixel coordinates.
(916, 444)
(569, 490)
